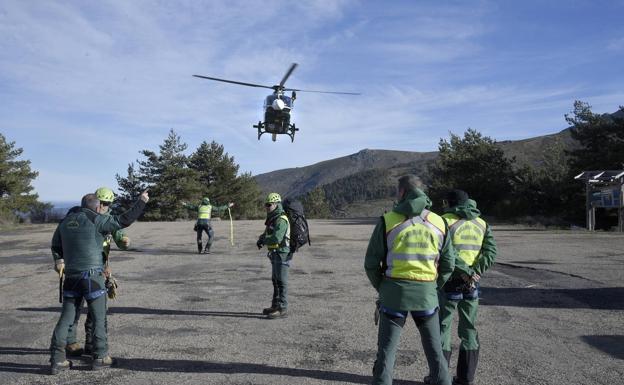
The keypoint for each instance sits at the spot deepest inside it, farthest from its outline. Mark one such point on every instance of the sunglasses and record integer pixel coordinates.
(105, 203)
(268, 204)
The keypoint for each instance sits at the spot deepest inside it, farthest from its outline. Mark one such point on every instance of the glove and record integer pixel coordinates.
(260, 243)
(59, 266)
(111, 287)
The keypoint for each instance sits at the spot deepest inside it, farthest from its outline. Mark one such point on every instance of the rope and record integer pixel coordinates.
(231, 227)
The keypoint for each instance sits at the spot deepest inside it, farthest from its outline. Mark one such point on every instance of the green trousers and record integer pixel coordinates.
(72, 305)
(390, 327)
(89, 327)
(467, 309)
(280, 262)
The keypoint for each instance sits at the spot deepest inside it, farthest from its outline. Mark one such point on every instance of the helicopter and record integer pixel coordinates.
(277, 106)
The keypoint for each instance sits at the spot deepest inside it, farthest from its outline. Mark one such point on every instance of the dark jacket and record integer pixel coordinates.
(79, 238)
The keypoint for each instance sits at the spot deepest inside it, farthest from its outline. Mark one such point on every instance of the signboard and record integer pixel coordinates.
(610, 197)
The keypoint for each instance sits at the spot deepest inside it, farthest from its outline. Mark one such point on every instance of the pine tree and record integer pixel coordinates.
(169, 180)
(15, 182)
(130, 187)
(601, 139)
(315, 204)
(476, 165)
(218, 180)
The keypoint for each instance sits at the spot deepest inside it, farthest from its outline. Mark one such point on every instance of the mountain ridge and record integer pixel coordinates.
(296, 181)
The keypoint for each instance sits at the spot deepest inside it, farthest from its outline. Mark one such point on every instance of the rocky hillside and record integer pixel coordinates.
(298, 181)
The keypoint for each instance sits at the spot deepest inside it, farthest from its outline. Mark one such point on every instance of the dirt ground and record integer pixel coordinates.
(552, 310)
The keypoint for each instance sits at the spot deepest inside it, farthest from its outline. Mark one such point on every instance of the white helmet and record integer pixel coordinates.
(278, 104)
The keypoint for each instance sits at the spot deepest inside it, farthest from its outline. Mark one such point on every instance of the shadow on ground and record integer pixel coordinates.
(143, 310)
(606, 298)
(612, 345)
(189, 366)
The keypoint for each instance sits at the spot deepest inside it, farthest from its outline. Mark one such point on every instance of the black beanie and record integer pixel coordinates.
(456, 197)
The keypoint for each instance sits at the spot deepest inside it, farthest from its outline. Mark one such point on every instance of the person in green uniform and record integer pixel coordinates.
(472, 237)
(204, 213)
(77, 252)
(409, 257)
(276, 237)
(106, 196)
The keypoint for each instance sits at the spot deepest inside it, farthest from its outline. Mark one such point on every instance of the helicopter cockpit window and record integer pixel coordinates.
(269, 100)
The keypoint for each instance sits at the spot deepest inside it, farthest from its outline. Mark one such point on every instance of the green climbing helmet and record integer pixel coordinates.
(206, 201)
(273, 198)
(104, 194)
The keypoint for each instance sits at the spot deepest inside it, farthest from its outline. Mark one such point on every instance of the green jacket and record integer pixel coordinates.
(79, 238)
(216, 209)
(406, 295)
(275, 230)
(488, 252)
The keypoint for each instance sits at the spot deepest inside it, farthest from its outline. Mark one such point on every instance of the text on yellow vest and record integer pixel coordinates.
(467, 236)
(414, 245)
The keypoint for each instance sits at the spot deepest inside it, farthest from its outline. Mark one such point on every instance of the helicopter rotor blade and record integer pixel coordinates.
(323, 92)
(288, 73)
(233, 82)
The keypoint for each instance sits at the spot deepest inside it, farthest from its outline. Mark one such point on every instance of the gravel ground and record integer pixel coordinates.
(552, 310)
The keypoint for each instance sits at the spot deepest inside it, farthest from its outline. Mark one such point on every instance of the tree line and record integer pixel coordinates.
(503, 188)
(174, 177)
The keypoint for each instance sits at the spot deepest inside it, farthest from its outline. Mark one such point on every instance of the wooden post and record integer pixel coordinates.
(588, 209)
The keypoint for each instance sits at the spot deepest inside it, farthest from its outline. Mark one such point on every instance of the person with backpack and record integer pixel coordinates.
(276, 237)
(299, 229)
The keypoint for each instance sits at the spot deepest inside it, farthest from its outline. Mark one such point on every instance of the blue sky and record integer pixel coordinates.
(86, 85)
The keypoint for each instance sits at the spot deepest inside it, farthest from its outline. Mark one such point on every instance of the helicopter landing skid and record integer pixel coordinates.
(261, 130)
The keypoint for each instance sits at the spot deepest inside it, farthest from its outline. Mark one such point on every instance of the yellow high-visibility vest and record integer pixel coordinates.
(203, 212)
(467, 236)
(274, 246)
(414, 245)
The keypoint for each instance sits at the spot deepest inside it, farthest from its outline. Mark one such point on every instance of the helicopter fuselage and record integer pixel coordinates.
(277, 109)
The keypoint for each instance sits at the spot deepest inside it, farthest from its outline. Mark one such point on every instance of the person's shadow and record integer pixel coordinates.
(21, 367)
(150, 311)
(190, 366)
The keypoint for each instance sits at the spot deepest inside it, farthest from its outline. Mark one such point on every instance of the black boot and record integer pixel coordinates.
(466, 367)
(268, 310)
(207, 249)
(199, 247)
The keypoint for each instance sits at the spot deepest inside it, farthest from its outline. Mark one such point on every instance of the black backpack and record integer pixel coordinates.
(299, 229)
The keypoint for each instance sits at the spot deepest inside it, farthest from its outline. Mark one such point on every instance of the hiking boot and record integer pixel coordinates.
(102, 363)
(57, 367)
(277, 313)
(457, 381)
(206, 251)
(74, 350)
(427, 380)
(268, 310)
